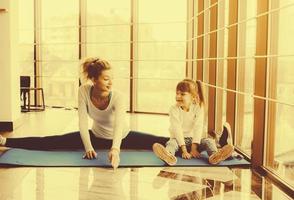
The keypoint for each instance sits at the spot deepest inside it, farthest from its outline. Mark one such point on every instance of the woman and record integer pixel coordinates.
(107, 108)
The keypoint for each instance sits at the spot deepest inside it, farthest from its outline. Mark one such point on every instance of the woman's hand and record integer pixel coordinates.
(90, 155)
(194, 152)
(113, 157)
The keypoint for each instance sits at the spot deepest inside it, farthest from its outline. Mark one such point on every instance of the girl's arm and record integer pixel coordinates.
(83, 121)
(198, 125)
(176, 126)
(194, 152)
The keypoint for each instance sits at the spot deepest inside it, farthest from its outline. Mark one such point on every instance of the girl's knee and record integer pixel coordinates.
(206, 140)
(172, 142)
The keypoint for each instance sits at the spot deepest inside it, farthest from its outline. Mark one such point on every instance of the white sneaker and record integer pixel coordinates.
(2, 141)
(162, 153)
(226, 136)
(222, 154)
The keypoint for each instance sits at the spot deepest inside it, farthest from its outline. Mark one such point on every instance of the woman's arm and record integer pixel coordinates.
(83, 120)
(120, 110)
(118, 128)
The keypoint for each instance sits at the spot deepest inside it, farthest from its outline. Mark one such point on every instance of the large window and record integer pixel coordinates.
(245, 74)
(281, 111)
(161, 43)
(152, 45)
(59, 44)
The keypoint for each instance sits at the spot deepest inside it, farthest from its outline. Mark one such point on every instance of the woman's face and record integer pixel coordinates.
(104, 81)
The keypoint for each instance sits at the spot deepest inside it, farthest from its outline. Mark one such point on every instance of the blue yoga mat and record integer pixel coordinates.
(129, 158)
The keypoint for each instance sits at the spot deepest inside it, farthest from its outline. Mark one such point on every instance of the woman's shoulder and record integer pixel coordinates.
(84, 90)
(118, 97)
(118, 94)
(85, 87)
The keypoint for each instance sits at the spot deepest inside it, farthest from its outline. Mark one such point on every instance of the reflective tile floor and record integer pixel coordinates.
(134, 183)
(124, 183)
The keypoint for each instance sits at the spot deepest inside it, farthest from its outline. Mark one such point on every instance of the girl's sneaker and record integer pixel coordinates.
(222, 154)
(162, 153)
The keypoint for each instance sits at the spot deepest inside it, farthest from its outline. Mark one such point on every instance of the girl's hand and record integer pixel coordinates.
(186, 155)
(90, 155)
(194, 152)
(113, 157)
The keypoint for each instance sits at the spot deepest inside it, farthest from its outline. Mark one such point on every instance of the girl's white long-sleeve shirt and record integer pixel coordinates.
(109, 123)
(186, 123)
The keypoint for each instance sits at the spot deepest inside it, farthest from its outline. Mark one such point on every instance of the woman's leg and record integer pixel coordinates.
(100, 143)
(66, 141)
(139, 140)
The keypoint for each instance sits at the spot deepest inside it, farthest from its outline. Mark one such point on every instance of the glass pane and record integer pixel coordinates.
(156, 81)
(246, 75)
(59, 51)
(26, 38)
(245, 106)
(283, 149)
(60, 83)
(222, 51)
(285, 35)
(280, 151)
(108, 37)
(156, 95)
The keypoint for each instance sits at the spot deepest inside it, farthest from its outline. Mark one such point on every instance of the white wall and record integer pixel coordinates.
(9, 68)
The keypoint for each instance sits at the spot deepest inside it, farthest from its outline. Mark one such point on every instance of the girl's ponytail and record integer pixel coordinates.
(200, 93)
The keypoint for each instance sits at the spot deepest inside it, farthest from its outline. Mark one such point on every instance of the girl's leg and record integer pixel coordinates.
(208, 145)
(172, 146)
(215, 155)
(139, 140)
(167, 154)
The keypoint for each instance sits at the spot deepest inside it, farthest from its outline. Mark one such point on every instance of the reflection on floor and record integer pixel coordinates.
(179, 183)
(131, 183)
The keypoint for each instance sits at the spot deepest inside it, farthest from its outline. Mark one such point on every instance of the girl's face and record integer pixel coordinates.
(104, 82)
(184, 99)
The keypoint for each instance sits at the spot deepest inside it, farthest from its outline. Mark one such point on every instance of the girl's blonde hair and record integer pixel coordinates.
(93, 67)
(194, 88)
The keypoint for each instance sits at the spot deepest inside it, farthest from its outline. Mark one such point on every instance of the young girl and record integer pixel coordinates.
(186, 128)
(107, 109)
